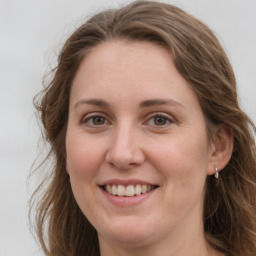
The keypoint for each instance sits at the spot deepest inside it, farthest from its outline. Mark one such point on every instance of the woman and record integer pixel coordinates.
(153, 155)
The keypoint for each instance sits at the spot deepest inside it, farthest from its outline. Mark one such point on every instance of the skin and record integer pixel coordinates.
(126, 134)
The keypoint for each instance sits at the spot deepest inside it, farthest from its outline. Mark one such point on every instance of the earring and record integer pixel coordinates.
(216, 173)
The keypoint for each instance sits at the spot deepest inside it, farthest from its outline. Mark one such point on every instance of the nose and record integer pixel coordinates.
(125, 150)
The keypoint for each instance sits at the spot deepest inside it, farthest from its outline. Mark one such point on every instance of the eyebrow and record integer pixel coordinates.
(157, 102)
(143, 104)
(94, 102)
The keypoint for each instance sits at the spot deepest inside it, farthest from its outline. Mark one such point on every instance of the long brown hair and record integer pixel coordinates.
(230, 206)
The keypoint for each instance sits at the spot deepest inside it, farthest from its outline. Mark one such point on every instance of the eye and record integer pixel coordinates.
(97, 120)
(94, 121)
(160, 120)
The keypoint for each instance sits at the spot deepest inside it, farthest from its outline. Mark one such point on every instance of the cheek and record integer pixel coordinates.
(83, 161)
(83, 157)
(180, 155)
(183, 164)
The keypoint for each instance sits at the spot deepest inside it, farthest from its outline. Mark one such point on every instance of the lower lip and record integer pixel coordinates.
(127, 201)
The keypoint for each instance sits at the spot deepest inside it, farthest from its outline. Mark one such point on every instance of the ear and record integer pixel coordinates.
(221, 148)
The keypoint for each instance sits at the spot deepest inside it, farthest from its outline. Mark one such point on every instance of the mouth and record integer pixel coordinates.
(128, 190)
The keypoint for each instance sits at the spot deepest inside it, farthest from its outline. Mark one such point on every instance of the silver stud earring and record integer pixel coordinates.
(216, 173)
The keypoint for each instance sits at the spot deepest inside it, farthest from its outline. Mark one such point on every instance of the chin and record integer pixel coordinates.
(130, 234)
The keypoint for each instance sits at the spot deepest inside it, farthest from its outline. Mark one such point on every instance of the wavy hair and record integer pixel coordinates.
(230, 205)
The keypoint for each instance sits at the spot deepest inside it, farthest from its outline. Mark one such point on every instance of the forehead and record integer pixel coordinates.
(119, 69)
(126, 54)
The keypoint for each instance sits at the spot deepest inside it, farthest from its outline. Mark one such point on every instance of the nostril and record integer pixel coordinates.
(124, 159)
(120, 159)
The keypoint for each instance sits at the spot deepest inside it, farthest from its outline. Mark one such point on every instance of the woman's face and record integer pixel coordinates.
(137, 147)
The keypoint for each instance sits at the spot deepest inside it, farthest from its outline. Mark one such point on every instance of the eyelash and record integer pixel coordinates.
(90, 118)
(167, 119)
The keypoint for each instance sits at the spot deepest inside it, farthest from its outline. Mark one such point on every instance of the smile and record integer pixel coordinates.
(129, 190)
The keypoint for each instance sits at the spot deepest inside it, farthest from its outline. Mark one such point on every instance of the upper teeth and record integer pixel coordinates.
(130, 190)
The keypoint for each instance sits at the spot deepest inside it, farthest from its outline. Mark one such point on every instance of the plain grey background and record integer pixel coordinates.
(31, 33)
